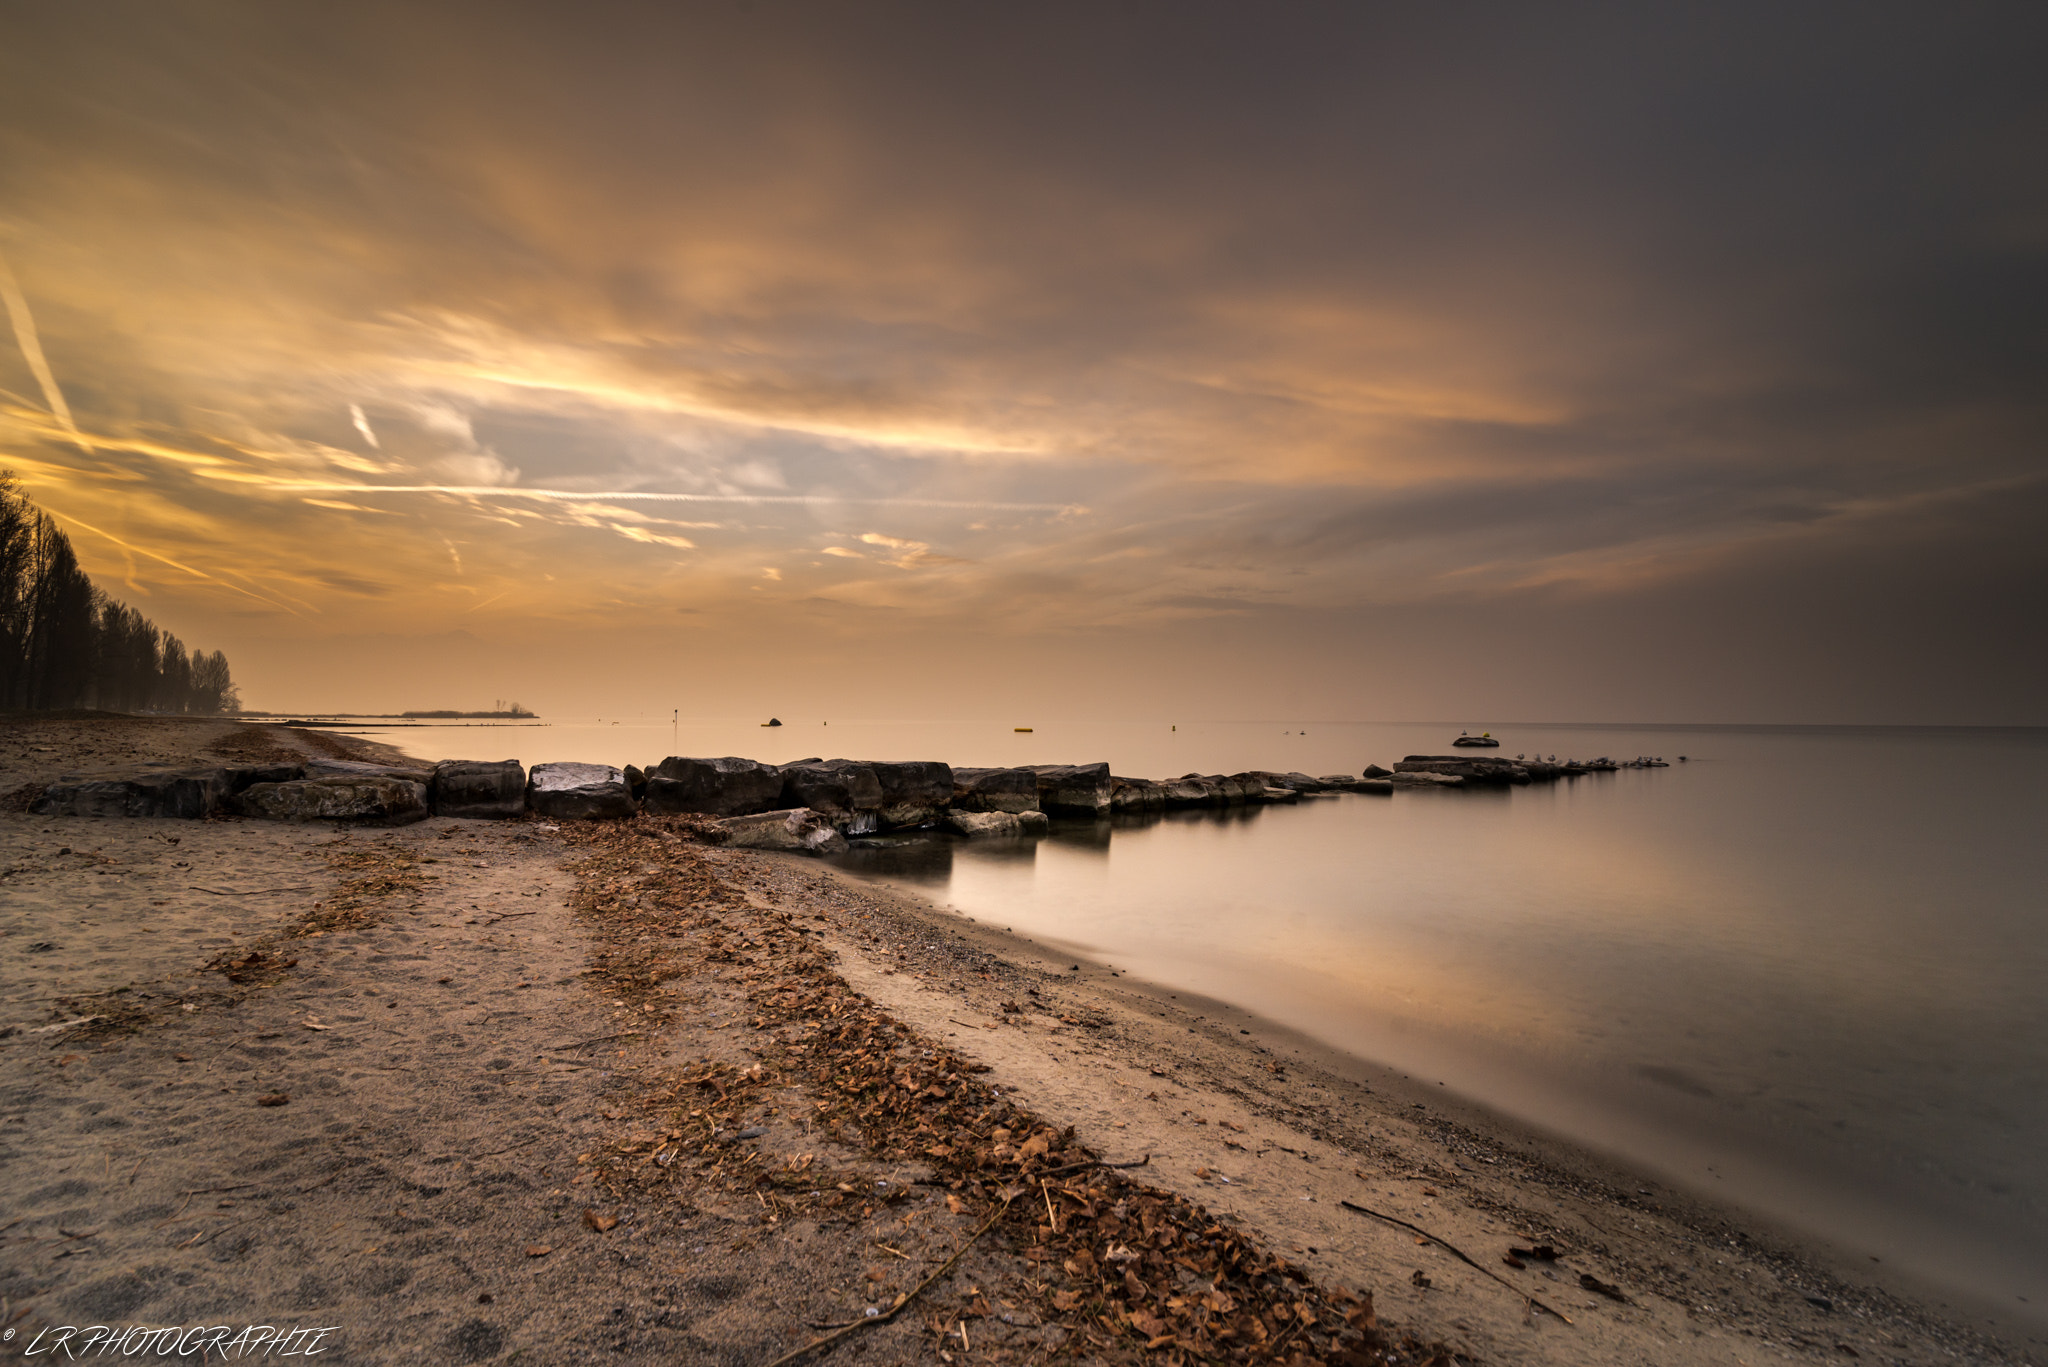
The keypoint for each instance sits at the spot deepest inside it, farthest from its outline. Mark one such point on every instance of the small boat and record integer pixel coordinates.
(1021, 730)
(1484, 739)
(772, 721)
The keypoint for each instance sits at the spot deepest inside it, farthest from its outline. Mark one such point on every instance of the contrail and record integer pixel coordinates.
(32, 351)
(143, 550)
(644, 496)
(355, 413)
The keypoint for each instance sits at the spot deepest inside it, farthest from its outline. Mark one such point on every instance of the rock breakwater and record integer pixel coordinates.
(811, 805)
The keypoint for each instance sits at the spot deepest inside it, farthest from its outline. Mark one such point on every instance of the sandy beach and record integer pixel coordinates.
(481, 1091)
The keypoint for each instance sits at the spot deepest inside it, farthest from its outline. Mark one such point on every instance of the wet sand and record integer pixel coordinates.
(488, 1035)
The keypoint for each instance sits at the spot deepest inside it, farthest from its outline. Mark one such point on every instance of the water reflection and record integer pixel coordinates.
(1776, 959)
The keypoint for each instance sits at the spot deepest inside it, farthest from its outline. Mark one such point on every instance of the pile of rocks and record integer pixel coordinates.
(810, 804)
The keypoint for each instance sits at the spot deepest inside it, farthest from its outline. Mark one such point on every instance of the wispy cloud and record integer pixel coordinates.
(31, 344)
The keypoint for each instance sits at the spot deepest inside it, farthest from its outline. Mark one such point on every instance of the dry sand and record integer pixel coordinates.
(513, 1059)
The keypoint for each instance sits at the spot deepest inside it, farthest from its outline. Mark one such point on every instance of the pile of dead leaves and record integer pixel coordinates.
(1117, 1270)
(22, 798)
(250, 966)
(372, 874)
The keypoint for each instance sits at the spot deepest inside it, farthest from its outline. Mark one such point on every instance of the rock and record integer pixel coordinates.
(1136, 795)
(729, 786)
(1374, 771)
(1300, 783)
(995, 790)
(1471, 768)
(1424, 779)
(800, 830)
(1379, 787)
(1073, 789)
(368, 799)
(845, 788)
(186, 794)
(914, 792)
(479, 789)
(772, 721)
(1193, 790)
(636, 782)
(1282, 795)
(354, 768)
(249, 775)
(979, 824)
(982, 824)
(579, 792)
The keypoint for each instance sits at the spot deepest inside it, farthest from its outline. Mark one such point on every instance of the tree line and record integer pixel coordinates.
(64, 643)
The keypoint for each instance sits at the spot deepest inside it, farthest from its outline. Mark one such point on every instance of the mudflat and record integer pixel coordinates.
(498, 1090)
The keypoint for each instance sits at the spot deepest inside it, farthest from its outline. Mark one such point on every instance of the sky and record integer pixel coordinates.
(1118, 360)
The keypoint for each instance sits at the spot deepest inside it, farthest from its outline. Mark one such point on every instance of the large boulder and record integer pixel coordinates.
(1193, 790)
(1297, 782)
(984, 824)
(914, 792)
(800, 830)
(246, 776)
(357, 768)
(188, 794)
(579, 792)
(479, 788)
(995, 790)
(1422, 778)
(728, 786)
(367, 799)
(846, 789)
(1473, 769)
(1135, 795)
(1073, 789)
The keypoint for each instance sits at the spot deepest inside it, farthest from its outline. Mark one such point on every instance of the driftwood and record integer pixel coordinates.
(1455, 1252)
(1146, 1161)
(887, 1315)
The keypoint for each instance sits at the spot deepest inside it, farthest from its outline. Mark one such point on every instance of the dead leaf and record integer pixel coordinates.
(1600, 1288)
(538, 1250)
(600, 1223)
(274, 1099)
(956, 1205)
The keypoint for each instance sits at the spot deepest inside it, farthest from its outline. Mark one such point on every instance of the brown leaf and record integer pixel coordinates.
(274, 1099)
(538, 1250)
(956, 1205)
(1065, 1300)
(600, 1223)
(1598, 1287)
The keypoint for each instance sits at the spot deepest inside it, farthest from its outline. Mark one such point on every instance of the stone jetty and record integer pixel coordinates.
(810, 805)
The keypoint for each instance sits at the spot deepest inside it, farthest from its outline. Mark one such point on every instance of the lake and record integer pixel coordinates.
(1804, 971)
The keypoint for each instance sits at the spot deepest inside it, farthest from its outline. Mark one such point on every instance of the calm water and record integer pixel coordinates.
(1806, 971)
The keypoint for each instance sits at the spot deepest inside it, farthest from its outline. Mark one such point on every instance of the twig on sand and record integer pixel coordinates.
(201, 1240)
(1455, 1252)
(245, 892)
(843, 1330)
(1146, 1161)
